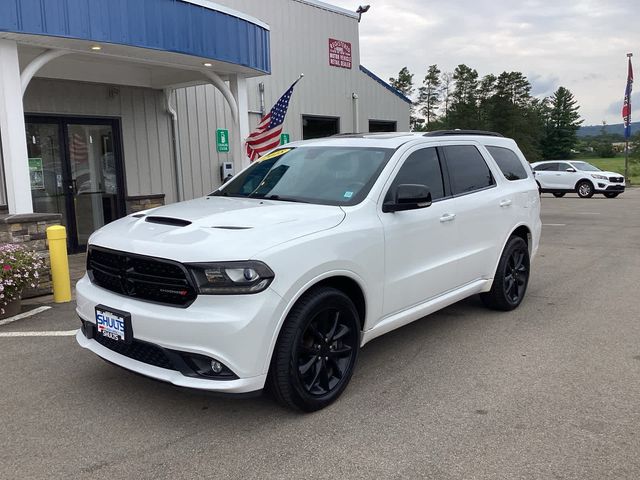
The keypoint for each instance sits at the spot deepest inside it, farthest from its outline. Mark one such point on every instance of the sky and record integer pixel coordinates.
(578, 44)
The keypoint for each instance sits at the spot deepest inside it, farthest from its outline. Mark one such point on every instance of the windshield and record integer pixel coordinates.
(323, 175)
(585, 167)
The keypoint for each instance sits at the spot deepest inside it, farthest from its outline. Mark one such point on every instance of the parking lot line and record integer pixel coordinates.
(554, 224)
(20, 316)
(50, 333)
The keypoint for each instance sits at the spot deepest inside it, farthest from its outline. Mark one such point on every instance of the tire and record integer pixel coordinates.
(316, 351)
(611, 195)
(584, 189)
(511, 279)
(558, 195)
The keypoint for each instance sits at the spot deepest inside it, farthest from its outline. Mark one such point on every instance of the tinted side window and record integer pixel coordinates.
(547, 167)
(421, 167)
(467, 169)
(508, 162)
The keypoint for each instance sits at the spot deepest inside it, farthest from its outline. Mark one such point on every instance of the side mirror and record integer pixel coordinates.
(572, 170)
(408, 197)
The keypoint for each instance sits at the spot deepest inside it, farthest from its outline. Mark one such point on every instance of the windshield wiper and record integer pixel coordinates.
(284, 199)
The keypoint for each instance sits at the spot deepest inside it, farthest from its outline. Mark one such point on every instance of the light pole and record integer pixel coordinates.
(362, 9)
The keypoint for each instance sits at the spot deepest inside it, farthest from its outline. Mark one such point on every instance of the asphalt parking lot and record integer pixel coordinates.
(551, 390)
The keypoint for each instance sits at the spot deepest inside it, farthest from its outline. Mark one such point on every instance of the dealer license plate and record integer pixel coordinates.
(113, 324)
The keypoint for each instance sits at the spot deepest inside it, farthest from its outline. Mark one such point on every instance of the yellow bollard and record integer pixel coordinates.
(57, 236)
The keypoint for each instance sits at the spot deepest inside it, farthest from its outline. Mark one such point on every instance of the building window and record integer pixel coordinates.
(376, 126)
(319, 127)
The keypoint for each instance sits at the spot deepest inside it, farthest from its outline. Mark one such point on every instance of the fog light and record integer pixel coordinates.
(216, 366)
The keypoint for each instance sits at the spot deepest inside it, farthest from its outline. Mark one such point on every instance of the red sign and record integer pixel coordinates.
(339, 53)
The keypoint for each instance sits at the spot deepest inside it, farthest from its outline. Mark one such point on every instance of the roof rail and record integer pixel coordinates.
(442, 133)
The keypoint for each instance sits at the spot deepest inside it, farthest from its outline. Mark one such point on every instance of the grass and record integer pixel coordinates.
(616, 164)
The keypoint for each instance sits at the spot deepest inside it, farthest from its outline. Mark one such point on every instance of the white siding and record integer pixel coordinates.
(146, 127)
(300, 35)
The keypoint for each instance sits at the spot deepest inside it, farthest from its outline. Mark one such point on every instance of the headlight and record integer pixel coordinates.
(599, 177)
(229, 278)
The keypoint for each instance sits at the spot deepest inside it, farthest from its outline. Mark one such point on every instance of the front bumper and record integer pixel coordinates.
(607, 187)
(236, 330)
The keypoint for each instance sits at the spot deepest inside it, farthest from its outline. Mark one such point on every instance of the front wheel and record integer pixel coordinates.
(511, 278)
(316, 351)
(585, 189)
(611, 195)
(558, 195)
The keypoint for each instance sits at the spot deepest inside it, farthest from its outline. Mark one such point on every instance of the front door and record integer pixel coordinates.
(75, 171)
(420, 245)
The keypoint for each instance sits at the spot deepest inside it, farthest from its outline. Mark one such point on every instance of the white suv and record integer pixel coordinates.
(282, 274)
(561, 177)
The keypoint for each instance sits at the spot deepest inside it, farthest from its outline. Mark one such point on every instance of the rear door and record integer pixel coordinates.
(484, 212)
(547, 175)
(420, 245)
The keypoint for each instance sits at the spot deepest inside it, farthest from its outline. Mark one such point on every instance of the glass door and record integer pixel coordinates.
(76, 171)
(93, 177)
(46, 168)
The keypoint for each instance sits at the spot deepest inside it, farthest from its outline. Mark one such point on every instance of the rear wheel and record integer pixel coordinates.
(316, 351)
(558, 195)
(612, 195)
(511, 278)
(585, 189)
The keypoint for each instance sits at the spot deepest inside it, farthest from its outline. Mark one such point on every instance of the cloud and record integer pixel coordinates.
(579, 44)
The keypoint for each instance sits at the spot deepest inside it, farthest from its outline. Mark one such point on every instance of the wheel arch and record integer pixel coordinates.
(347, 282)
(575, 187)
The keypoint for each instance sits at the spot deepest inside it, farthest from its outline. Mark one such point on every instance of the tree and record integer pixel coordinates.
(429, 94)
(404, 82)
(463, 112)
(486, 90)
(561, 126)
(446, 89)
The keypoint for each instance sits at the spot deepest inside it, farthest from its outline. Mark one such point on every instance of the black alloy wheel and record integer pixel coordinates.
(325, 351)
(511, 278)
(516, 276)
(316, 351)
(585, 189)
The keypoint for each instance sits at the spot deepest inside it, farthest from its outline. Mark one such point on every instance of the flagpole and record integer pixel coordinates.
(626, 140)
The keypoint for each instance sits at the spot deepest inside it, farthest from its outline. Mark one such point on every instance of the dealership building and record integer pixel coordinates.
(111, 106)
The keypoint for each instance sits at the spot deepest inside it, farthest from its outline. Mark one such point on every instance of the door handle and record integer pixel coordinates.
(447, 217)
(506, 203)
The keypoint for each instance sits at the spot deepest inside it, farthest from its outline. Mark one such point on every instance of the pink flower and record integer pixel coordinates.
(6, 268)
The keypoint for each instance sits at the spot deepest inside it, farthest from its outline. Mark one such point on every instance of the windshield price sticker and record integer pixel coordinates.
(277, 153)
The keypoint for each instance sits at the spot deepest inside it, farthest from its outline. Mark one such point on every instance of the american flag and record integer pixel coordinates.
(266, 136)
(626, 107)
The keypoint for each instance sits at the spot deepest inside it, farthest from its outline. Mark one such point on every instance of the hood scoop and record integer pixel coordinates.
(231, 227)
(174, 222)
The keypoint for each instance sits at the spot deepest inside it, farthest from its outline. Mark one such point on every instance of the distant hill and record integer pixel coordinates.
(595, 130)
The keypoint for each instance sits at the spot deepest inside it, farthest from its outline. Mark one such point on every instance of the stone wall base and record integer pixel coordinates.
(30, 229)
(144, 202)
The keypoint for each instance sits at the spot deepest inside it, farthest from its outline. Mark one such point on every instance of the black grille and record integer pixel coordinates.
(616, 179)
(142, 352)
(145, 278)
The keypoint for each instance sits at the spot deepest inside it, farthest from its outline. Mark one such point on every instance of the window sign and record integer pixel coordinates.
(36, 173)
(284, 138)
(339, 53)
(222, 140)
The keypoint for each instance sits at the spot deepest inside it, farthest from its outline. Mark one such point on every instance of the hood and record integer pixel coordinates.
(213, 229)
(609, 174)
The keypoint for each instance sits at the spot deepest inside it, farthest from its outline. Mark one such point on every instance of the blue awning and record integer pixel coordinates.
(195, 28)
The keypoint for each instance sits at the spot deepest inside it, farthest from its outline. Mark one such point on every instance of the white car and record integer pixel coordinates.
(566, 176)
(287, 270)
